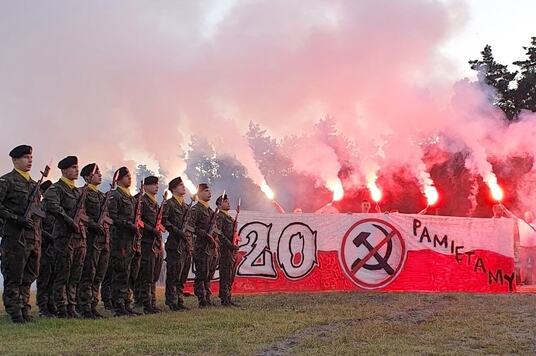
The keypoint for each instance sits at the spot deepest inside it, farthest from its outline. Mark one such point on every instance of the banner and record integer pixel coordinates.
(386, 252)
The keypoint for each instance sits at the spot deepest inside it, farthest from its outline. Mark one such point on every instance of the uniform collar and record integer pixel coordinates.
(93, 187)
(70, 183)
(226, 212)
(179, 199)
(125, 191)
(204, 203)
(151, 197)
(25, 175)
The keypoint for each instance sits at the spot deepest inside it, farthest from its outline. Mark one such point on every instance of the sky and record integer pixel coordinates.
(506, 25)
(152, 73)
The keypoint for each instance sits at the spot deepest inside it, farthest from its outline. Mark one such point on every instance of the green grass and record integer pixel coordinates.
(328, 323)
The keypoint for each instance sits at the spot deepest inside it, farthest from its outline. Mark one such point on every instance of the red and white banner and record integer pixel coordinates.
(388, 252)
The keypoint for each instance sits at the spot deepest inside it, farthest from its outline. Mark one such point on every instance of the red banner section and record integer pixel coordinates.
(395, 252)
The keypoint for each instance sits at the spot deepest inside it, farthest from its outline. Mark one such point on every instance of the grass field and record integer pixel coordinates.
(330, 323)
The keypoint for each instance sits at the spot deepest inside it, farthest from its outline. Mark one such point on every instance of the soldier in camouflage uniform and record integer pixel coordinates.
(69, 237)
(106, 286)
(123, 242)
(152, 252)
(45, 280)
(204, 244)
(178, 245)
(227, 251)
(21, 237)
(98, 242)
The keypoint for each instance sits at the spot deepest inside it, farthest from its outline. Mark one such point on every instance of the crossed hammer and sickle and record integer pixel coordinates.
(362, 239)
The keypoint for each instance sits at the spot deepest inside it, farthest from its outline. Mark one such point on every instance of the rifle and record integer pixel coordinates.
(186, 217)
(137, 217)
(32, 207)
(186, 227)
(80, 217)
(236, 238)
(212, 228)
(104, 219)
(158, 224)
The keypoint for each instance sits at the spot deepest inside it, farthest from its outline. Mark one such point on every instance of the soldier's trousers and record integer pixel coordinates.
(213, 262)
(124, 266)
(95, 266)
(134, 284)
(151, 266)
(45, 280)
(177, 268)
(227, 261)
(106, 285)
(201, 264)
(20, 267)
(69, 263)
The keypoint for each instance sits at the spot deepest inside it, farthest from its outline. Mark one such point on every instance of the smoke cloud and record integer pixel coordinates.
(132, 81)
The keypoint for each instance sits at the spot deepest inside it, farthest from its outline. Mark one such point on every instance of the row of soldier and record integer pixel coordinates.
(79, 243)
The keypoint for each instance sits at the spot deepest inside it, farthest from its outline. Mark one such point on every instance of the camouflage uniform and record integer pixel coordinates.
(45, 280)
(69, 246)
(20, 247)
(178, 252)
(106, 287)
(124, 243)
(203, 254)
(152, 254)
(227, 257)
(98, 254)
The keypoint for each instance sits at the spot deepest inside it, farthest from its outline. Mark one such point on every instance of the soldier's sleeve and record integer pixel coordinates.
(5, 213)
(196, 216)
(53, 205)
(226, 233)
(147, 224)
(167, 221)
(113, 212)
(92, 222)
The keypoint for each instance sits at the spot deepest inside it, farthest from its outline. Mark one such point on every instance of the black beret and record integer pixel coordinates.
(121, 172)
(67, 162)
(88, 169)
(150, 180)
(45, 185)
(20, 151)
(221, 198)
(201, 187)
(174, 183)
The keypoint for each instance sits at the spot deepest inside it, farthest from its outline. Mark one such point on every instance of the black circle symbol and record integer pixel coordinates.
(372, 253)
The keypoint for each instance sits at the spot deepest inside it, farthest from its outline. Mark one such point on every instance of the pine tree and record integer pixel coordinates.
(526, 84)
(201, 165)
(500, 78)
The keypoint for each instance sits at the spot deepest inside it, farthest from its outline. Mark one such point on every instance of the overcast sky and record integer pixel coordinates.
(506, 25)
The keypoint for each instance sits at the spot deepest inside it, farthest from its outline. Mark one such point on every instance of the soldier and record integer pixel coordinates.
(69, 237)
(152, 252)
(21, 240)
(98, 243)
(227, 251)
(106, 286)
(213, 261)
(45, 280)
(178, 245)
(204, 243)
(123, 242)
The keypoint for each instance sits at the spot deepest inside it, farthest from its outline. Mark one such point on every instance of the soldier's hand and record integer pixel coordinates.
(26, 223)
(100, 230)
(133, 227)
(236, 248)
(72, 225)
